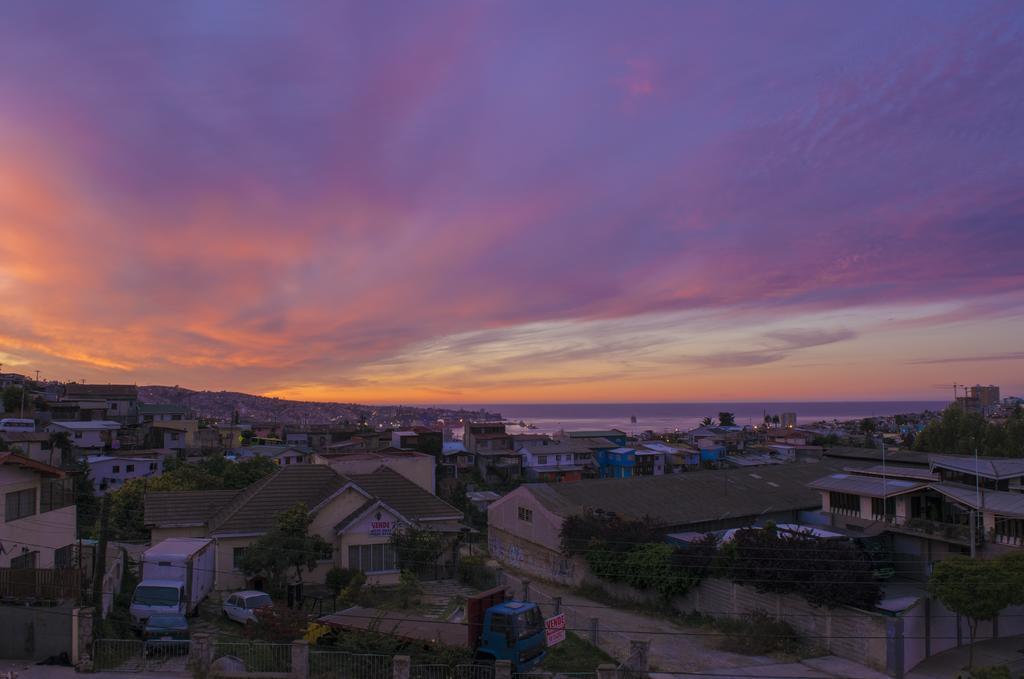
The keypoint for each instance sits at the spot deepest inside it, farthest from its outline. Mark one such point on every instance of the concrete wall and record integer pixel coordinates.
(542, 529)
(533, 559)
(929, 628)
(35, 632)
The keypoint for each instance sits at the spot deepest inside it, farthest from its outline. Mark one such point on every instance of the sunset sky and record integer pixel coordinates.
(533, 201)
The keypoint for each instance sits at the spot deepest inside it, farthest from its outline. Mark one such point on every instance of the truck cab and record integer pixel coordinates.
(514, 631)
(152, 597)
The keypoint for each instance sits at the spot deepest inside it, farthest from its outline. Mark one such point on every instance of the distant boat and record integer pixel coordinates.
(521, 423)
(531, 426)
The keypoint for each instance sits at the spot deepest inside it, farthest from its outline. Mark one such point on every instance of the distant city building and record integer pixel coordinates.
(787, 419)
(979, 399)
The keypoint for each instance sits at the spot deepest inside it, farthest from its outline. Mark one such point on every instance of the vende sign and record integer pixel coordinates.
(382, 528)
(554, 629)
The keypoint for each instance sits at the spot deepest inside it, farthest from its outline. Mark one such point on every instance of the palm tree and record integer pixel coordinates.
(62, 442)
(776, 420)
(707, 422)
(767, 420)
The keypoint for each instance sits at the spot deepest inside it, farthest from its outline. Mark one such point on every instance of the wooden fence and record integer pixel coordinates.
(40, 583)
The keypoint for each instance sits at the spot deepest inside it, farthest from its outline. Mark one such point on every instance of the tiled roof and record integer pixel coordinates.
(404, 496)
(253, 510)
(351, 518)
(694, 497)
(184, 507)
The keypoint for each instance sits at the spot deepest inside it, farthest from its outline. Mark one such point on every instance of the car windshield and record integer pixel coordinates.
(529, 623)
(149, 595)
(167, 621)
(257, 601)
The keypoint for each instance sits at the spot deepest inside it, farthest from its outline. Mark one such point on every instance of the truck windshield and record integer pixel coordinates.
(156, 596)
(529, 623)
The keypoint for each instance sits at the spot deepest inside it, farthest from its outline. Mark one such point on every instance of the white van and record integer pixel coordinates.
(17, 424)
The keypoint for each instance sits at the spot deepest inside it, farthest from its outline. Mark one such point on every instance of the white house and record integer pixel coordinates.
(555, 460)
(91, 434)
(109, 473)
(31, 444)
(37, 516)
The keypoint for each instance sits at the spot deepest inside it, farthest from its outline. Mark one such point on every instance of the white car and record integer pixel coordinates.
(241, 606)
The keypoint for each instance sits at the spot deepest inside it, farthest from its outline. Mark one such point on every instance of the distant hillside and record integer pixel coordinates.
(222, 404)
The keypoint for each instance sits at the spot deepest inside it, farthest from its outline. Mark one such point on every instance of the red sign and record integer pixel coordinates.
(554, 629)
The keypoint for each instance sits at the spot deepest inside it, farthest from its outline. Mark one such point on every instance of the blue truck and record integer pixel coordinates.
(495, 628)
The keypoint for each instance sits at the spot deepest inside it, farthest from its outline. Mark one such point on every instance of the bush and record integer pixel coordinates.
(757, 634)
(353, 591)
(408, 587)
(339, 578)
(990, 672)
(277, 624)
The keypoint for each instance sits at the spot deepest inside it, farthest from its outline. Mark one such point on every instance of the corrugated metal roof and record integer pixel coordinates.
(988, 467)
(996, 501)
(871, 486)
(692, 497)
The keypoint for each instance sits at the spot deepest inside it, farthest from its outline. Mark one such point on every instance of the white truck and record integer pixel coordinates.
(176, 575)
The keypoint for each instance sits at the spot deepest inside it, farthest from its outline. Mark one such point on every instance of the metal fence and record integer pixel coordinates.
(463, 671)
(323, 664)
(135, 655)
(257, 656)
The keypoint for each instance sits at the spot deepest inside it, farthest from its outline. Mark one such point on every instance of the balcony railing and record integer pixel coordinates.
(956, 532)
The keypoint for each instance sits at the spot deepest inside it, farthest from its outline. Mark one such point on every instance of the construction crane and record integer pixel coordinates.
(954, 386)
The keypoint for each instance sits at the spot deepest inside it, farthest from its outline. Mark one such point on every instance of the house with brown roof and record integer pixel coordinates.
(524, 526)
(122, 400)
(356, 514)
(32, 444)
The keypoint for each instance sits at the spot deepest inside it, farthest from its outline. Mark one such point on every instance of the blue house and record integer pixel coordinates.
(616, 463)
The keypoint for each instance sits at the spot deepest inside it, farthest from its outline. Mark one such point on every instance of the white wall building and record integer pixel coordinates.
(109, 473)
(91, 434)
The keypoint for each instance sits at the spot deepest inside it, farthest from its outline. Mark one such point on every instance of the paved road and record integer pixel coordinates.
(676, 648)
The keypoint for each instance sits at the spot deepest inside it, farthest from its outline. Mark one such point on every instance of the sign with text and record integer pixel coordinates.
(382, 528)
(554, 629)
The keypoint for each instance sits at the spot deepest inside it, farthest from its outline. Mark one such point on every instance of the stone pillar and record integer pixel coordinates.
(300, 659)
(607, 671)
(502, 669)
(400, 667)
(83, 639)
(593, 631)
(639, 650)
(200, 652)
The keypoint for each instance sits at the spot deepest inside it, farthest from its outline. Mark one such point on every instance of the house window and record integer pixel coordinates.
(877, 509)
(237, 554)
(20, 504)
(130, 468)
(152, 466)
(372, 558)
(64, 557)
(25, 560)
(844, 503)
(542, 459)
(78, 434)
(56, 494)
(175, 436)
(116, 469)
(526, 514)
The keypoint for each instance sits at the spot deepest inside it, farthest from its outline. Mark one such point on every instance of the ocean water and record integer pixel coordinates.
(662, 417)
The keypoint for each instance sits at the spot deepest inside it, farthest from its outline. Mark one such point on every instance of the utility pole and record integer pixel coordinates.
(100, 562)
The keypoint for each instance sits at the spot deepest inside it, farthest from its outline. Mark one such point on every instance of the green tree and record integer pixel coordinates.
(727, 419)
(974, 588)
(61, 447)
(707, 422)
(285, 550)
(12, 398)
(417, 548)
